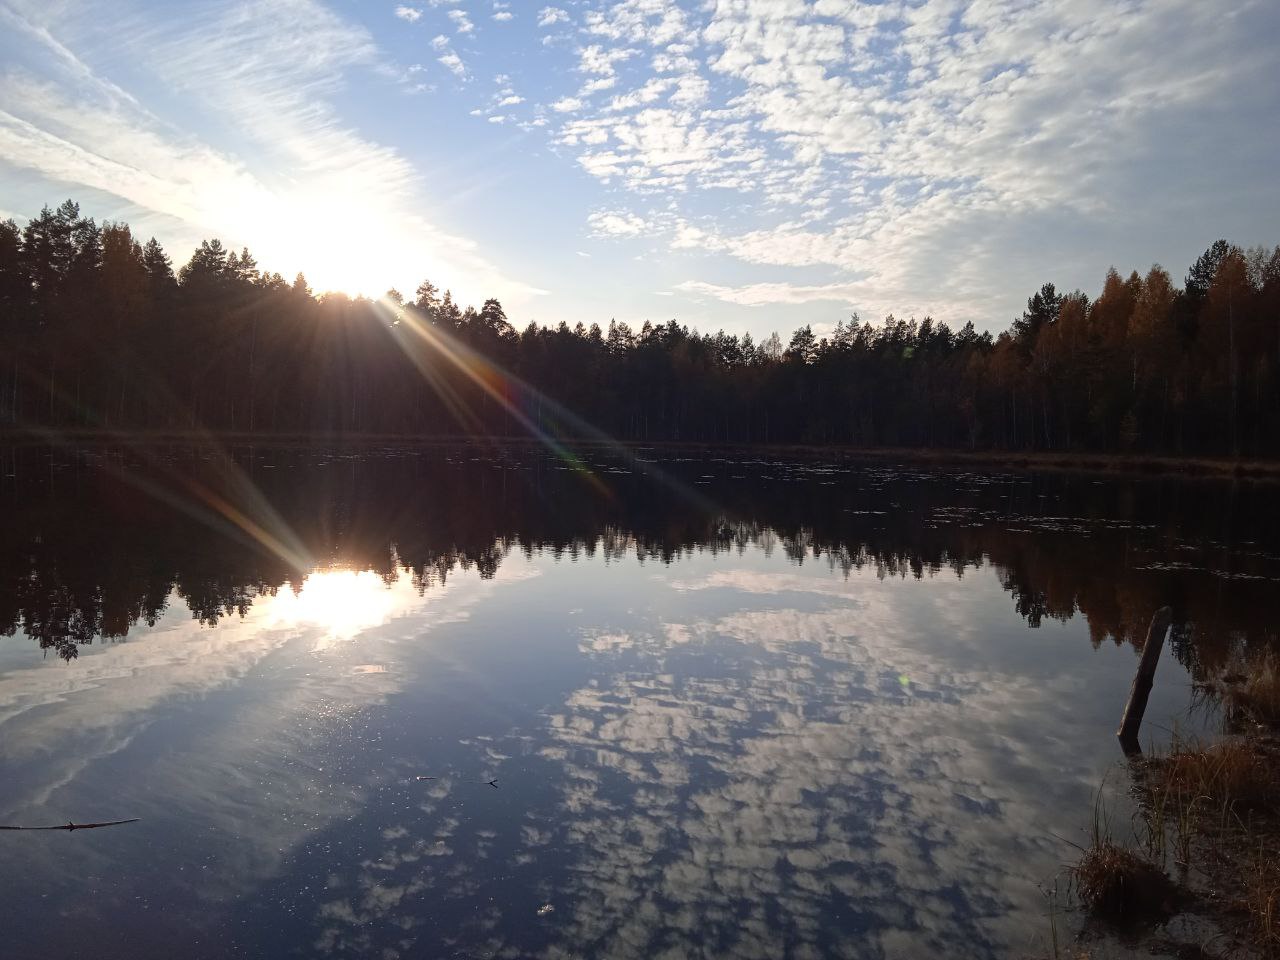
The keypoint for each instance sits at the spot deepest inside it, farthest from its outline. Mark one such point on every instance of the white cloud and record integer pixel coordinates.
(448, 58)
(596, 85)
(411, 14)
(609, 223)
(601, 60)
(461, 22)
(453, 63)
(550, 16)
(655, 22)
(899, 145)
(759, 294)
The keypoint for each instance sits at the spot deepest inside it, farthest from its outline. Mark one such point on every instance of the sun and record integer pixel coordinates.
(341, 242)
(360, 263)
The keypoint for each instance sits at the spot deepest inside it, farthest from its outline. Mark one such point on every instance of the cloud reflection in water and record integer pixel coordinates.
(803, 782)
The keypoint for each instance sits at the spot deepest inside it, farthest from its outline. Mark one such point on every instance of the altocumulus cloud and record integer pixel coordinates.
(908, 151)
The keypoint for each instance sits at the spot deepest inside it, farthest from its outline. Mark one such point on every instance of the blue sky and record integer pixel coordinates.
(746, 164)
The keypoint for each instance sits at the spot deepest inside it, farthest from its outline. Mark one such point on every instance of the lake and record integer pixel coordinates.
(496, 702)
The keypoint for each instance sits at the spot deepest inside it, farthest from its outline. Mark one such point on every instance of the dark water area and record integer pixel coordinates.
(730, 707)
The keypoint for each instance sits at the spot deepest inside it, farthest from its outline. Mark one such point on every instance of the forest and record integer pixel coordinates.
(98, 332)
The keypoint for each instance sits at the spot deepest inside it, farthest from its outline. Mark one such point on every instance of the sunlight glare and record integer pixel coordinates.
(310, 228)
(341, 603)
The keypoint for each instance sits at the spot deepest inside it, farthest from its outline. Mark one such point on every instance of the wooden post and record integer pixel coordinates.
(1141, 689)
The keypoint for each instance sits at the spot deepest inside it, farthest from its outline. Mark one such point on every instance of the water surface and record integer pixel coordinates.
(732, 708)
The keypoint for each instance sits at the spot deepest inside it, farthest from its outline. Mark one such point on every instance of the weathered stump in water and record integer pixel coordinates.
(1142, 681)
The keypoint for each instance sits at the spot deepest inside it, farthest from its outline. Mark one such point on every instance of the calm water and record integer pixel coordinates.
(732, 708)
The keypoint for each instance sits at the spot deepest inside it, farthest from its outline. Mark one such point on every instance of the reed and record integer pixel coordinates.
(1251, 688)
(1121, 885)
(1117, 883)
(1262, 901)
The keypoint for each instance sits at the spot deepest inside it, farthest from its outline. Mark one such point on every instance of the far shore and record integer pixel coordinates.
(1083, 462)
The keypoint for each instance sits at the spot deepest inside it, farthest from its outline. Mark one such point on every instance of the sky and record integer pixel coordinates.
(751, 165)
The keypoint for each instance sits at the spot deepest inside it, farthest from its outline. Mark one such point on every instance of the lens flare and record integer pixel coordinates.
(426, 344)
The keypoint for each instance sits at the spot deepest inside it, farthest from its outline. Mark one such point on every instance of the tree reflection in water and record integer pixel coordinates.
(98, 541)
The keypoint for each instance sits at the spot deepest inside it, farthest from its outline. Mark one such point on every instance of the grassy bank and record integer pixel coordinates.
(1207, 837)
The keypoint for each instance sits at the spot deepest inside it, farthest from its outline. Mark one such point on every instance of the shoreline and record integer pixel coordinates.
(1079, 462)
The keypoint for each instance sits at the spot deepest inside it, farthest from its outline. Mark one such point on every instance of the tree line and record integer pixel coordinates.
(99, 332)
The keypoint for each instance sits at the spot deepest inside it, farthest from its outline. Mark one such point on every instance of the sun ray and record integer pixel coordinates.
(516, 397)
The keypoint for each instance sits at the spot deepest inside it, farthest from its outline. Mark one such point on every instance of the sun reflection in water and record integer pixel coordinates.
(340, 603)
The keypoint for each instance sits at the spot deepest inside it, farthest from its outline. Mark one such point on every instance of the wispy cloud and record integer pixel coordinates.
(760, 294)
(270, 69)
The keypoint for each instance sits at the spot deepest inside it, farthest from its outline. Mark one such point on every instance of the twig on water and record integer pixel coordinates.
(493, 783)
(77, 826)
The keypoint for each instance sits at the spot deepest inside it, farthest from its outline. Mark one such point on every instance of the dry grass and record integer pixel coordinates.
(1262, 901)
(1217, 804)
(1121, 885)
(1252, 688)
(1235, 776)
(1223, 801)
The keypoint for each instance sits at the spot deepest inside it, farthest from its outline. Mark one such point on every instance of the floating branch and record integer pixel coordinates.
(77, 826)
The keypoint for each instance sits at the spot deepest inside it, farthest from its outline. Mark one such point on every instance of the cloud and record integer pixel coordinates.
(453, 63)
(461, 22)
(448, 58)
(931, 156)
(550, 16)
(654, 22)
(907, 149)
(598, 59)
(759, 294)
(272, 72)
(605, 223)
